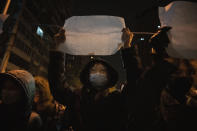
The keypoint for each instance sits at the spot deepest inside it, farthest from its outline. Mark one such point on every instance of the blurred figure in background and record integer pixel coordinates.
(178, 99)
(166, 72)
(53, 114)
(17, 90)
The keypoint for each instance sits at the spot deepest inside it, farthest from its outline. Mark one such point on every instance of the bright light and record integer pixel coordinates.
(158, 26)
(39, 32)
(141, 38)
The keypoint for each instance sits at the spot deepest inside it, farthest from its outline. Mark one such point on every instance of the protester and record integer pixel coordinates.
(164, 72)
(98, 107)
(16, 97)
(178, 106)
(51, 112)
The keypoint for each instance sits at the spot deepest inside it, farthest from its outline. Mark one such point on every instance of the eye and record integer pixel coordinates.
(103, 70)
(92, 70)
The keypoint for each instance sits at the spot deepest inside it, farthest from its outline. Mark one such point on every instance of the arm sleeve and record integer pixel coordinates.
(56, 76)
(133, 71)
(131, 64)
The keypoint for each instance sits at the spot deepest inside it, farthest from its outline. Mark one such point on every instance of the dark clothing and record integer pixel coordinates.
(107, 113)
(54, 119)
(57, 80)
(35, 122)
(16, 117)
(12, 121)
(177, 116)
(147, 98)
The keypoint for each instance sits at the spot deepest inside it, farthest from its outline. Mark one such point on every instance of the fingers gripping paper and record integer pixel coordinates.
(92, 35)
(181, 16)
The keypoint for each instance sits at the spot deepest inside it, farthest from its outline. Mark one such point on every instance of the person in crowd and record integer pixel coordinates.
(17, 90)
(164, 71)
(178, 102)
(98, 107)
(168, 77)
(146, 100)
(51, 112)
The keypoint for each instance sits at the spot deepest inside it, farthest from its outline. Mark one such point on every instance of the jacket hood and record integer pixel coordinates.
(114, 66)
(25, 81)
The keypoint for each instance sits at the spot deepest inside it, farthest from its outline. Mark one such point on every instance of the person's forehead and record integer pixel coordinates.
(99, 65)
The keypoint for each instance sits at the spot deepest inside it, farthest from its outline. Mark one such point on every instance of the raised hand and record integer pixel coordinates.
(127, 37)
(58, 39)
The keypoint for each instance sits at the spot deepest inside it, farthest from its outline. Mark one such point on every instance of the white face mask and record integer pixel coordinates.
(98, 79)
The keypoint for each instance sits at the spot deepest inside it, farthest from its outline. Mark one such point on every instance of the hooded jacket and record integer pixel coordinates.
(106, 113)
(93, 114)
(17, 119)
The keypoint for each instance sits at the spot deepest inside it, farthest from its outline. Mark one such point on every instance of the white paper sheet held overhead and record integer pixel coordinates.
(182, 17)
(92, 35)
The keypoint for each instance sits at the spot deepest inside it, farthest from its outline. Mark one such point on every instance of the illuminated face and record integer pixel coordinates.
(98, 75)
(98, 68)
(11, 93)
(182, 70)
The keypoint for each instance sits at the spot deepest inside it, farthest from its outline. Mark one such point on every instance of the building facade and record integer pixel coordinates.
(38, 22)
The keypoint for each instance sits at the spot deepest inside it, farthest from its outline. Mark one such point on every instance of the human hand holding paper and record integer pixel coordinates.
(59, 38)
(127, 37)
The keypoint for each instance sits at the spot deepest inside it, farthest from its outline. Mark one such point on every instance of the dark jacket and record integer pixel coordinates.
(147, 97)
(108, 113)
(17, 119)
(177, 116)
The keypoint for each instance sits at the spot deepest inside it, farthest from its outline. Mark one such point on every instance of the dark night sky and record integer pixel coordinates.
(2, 4)
(140, 15)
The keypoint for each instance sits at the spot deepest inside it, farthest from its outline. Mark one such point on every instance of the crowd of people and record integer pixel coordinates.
(161, 97)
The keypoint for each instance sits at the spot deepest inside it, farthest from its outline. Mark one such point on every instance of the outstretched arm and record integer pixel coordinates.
(129, 55)
(132, 66)
(56, 71)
